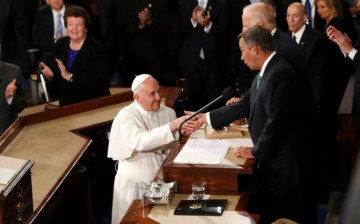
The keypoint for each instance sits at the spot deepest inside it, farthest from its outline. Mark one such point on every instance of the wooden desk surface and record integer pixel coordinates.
(220, 178)
(53, 147)
(155, 214)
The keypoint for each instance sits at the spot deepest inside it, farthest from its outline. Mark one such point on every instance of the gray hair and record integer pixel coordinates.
(259, 36)
(262, 12)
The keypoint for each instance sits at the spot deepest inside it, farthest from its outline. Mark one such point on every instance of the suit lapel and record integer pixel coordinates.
(256, 92)
(304, 38)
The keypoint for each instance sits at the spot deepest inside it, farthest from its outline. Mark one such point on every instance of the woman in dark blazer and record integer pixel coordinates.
(80, 67)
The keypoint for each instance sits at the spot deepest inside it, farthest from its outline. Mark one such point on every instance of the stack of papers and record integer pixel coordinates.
(203, 151)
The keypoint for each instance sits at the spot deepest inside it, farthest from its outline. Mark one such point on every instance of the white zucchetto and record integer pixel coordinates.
(138, 80)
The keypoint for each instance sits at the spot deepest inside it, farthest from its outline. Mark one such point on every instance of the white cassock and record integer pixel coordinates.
(136, 139)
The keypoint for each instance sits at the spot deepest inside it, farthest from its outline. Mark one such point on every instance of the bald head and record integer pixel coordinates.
(259, 13)
(296, 16)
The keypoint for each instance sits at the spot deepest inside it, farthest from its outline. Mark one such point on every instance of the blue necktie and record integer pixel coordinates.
(59, 28)
(308, 12)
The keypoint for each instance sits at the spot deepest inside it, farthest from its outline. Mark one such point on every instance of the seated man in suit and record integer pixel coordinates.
(275, 108)
(49, 25)
(12, 99)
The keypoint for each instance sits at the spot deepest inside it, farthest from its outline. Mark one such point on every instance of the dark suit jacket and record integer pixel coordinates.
(289, 50)
(338, 69)
(281, 9)
(8, 113)
(356, 61)
(90, 71)
(356, 100)
(148, 44)
(5, 8)
(312, 46)
(44, 29)
(277, 125)
(213, 43)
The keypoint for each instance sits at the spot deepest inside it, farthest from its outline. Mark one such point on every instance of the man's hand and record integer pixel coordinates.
(232, 100)
(145, 18)
(244, 151)
(204, 20)
(10, 89)
(46, 71)
(354, 10)
(340, 39)
(197, 12)
(200, 119)
(187, 128)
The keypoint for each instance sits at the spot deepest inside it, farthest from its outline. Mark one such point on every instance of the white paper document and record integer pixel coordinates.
(203, 151)
(6, 174)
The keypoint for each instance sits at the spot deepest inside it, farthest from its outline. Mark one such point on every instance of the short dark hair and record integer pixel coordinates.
(259, 36)
(77, 11)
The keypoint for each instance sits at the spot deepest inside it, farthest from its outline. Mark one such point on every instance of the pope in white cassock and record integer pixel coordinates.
(140, 137)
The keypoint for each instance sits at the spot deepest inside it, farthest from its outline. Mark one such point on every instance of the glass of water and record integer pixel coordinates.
(198, 190)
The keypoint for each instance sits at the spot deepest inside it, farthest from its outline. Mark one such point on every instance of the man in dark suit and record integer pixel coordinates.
(311, 44)
(12, 100)
(46, 32)
(344, 42)
(238, 71)
(203, 56)
(263, 14)
(278, 128)
(46, 25)
(143, 27)
(16, 21)
(281, 9)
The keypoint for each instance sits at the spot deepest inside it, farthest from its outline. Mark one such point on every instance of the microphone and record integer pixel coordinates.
(226, 93)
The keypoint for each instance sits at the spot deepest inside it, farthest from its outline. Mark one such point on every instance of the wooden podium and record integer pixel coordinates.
(219, 178)
(16, 201)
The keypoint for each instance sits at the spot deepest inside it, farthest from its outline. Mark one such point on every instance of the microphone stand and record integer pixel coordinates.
(196, 113)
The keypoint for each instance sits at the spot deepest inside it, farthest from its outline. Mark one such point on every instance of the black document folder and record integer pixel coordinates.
(201, 207)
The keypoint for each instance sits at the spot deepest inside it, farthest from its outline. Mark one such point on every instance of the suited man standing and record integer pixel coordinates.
(311, 44)
(263, 14)
(49, 26)
(202, 59)
(277, 123)
(143, 27)
(16, 23)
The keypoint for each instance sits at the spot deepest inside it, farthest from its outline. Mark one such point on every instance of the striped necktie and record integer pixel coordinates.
(59, 27)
